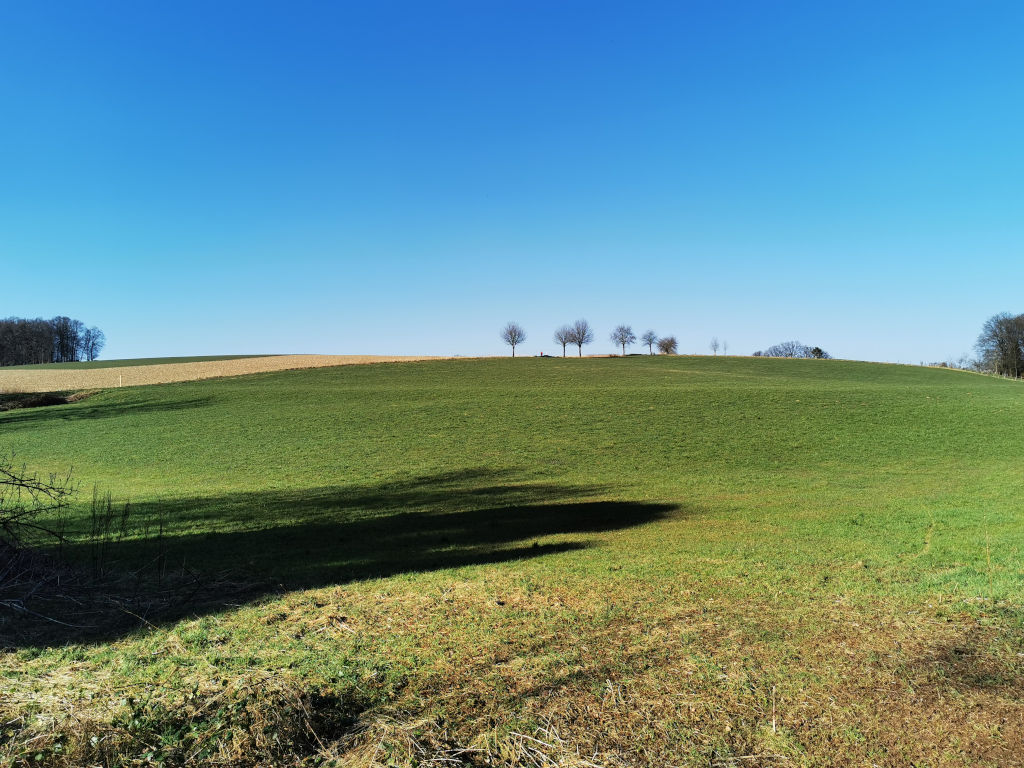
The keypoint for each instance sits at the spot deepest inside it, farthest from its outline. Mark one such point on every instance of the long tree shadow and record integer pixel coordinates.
(195, 556)
(31, 417)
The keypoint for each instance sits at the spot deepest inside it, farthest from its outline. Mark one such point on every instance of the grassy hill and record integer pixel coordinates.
(638, 561)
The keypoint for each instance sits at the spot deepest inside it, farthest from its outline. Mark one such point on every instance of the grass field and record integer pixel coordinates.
(640, 561)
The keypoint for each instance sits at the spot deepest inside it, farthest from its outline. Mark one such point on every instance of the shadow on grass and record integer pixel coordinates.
(980, 658)
(13, 401)
(228, 550)
(82, 411)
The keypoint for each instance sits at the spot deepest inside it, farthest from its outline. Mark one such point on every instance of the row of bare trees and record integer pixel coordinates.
(580, 333)
(57, 340)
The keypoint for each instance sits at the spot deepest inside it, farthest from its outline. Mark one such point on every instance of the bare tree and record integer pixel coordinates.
(668, 345)
(650, 338)
(563, 336)
(581, 334)
(93, 341)
(623, 336)
(1001, 345)
(513, 335)
(714, 345)
(725, 347)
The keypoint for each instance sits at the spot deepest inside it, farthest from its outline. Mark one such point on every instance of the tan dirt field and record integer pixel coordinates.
(66, 379)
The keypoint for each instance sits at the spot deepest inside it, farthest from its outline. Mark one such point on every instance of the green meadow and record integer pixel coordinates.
(620, 561)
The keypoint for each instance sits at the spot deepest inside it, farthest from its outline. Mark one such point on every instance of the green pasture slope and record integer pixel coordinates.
(132, 362)
(623, 561)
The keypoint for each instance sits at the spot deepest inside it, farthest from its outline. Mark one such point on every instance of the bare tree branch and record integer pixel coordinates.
(25, 498)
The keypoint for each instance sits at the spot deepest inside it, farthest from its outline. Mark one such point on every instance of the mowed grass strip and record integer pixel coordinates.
(637, 561)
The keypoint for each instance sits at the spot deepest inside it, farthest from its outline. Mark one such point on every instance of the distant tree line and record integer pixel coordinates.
(58, 340)
(794, 349)
(580, 333)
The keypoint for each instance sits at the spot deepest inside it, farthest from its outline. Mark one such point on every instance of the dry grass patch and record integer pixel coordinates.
(64, 379)
(504, 675)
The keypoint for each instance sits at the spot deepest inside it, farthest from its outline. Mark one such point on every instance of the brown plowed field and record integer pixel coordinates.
(65, 379)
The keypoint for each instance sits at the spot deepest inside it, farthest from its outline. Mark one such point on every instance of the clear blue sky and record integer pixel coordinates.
(386, 177)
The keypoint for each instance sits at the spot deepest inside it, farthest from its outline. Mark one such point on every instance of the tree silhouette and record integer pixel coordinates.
(581, 333)
(623, 336)
(668, 345)
(513, 335)
(1001, 345)
(563, 336)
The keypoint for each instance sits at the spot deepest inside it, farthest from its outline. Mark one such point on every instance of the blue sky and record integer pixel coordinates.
(386, 177)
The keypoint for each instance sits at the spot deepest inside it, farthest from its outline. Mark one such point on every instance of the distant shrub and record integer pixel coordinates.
(794, 349)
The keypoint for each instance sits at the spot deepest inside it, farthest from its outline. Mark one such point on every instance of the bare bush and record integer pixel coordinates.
(668, 345)
(32, 507)
(793, 349)
(56, 596)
